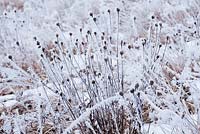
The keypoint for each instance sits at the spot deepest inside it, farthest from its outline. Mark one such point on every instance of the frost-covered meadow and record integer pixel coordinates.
(99, 67)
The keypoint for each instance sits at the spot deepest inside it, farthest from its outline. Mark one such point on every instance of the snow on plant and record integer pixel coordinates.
(122, 70)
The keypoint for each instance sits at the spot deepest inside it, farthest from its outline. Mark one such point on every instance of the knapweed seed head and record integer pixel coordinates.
(151, 82)
(91, 14)
(118, 10)
(17, 43)
(38, 43)
(132, 91)
(121, 93)
(58, 24)
(10, 57)
(137, 85)
(94, 19)
(121, 53)
(93, 81)
(88, 32)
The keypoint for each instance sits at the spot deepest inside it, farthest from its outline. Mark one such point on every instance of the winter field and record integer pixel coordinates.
(99, 66)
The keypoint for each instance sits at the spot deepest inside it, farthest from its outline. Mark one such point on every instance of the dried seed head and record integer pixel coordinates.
(94, 19)
(138, 94)
(91, 14)
(122, 42)
(29, 106)
(61, 94)
(121, 93)
(58, 24)
(88, 32)
(152, 17)
(51, 59)
(132, 91)
(167, 37)
(143, 43)
(80, 107)
(121, 53)
(57, 35)
(38, 43)
(137, 85)
(95, 72)
(151, 82)
(10, 57)
(160, 24)
(92, 57)
(105, 47)
(95, 33)
(70, 34)
(106, 59)
(118, 10)
(17, 43)
(93, 81)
